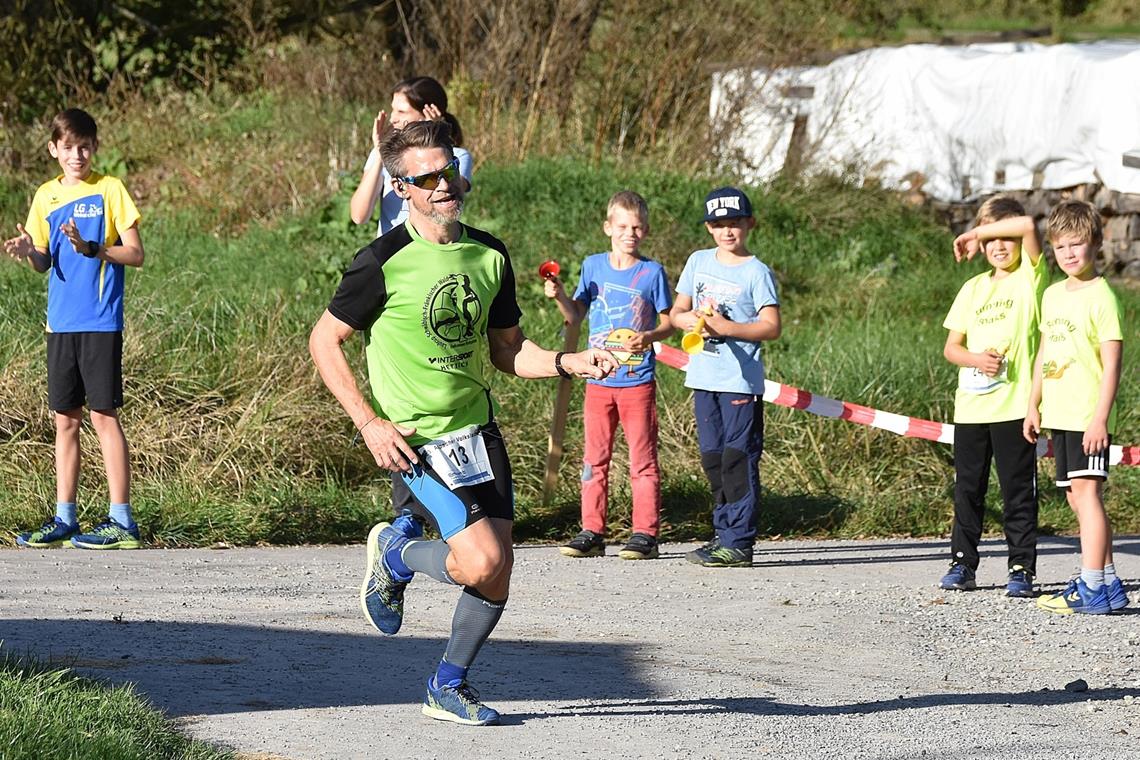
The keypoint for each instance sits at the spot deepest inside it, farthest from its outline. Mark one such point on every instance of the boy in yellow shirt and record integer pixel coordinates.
(83, 231)
(993, 338)
(1074, 389)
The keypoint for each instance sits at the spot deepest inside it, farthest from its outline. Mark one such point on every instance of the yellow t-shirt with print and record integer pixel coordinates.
(1074, 323)
(999, 315)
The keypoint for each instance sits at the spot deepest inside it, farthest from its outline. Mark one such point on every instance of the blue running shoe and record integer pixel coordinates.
(1077, 597)
(382, 592)
(408, 524)
(458, 704)
(1019, 583)
(959, 578)
(53, 533)
(109, 534)
(1117, 596)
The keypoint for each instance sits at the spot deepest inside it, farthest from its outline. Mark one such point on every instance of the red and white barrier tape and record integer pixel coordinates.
(911, 427)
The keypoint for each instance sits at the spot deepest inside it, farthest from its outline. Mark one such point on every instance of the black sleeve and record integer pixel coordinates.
(505, 311)
(360, 296)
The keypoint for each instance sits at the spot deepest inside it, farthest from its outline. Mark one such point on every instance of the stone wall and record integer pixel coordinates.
(1120, 254)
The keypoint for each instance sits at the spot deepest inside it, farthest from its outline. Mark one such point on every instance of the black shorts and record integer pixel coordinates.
(85, 369)
(425, 493)
(1073, 462)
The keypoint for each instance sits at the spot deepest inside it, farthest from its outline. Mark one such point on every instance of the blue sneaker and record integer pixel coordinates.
(1117, 596)
(382, 591)
(458, 704)
(1077, 597)
(1020, 582)
(53, 533)
(959, 578)
(109, 534)
(408, 524)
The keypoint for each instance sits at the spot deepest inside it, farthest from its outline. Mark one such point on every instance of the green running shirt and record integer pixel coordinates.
(425, 310)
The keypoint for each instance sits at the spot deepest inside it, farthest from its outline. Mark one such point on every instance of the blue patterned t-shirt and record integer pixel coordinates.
(623, 302)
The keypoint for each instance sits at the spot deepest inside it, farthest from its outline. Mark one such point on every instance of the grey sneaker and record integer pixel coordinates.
(716, 554)
(585, 544)
(640, 546)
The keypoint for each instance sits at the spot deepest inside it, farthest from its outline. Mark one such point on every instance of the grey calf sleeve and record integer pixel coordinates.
(428, 557)
(475, 618)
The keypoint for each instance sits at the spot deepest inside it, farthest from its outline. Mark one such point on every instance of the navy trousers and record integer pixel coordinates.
(730, 430)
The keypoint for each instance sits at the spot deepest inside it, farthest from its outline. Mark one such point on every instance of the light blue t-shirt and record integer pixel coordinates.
(393, 208)
(623, 302)
(738, 292)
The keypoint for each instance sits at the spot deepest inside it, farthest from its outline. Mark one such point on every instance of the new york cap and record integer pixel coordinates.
(726, 203)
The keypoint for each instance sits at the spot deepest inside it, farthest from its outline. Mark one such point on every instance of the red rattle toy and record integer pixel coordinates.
(548, 270)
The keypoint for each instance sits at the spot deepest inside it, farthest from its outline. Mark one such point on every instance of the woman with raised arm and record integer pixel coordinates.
(414, 99)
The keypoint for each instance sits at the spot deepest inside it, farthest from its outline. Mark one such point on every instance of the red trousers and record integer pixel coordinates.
(636, 408)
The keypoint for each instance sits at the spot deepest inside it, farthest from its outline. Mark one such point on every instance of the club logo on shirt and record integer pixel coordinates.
(86, 210)
(452, 312)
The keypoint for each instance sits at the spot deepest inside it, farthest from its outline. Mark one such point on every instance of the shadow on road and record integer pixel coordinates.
(769, 706)
(194, 669)
(774, 555)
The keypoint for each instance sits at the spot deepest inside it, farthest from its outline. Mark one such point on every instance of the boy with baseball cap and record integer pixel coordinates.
(735, 295)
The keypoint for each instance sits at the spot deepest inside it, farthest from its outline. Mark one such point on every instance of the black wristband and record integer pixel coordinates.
(92, 249)
(558, 365)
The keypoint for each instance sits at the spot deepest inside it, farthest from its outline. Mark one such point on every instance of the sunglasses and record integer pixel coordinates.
(431, 180)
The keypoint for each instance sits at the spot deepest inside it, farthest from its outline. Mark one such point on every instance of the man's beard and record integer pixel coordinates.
(444, 218)
(435, 215)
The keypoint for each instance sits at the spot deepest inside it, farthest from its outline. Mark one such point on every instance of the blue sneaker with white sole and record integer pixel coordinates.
(1117, 595)
(457, 704)
(382, 591)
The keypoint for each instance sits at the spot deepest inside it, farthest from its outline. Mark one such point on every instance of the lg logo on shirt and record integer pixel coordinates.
(87, 211)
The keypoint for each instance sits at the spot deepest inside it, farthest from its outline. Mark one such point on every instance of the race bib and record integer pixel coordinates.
(460, 458)
(973, 380)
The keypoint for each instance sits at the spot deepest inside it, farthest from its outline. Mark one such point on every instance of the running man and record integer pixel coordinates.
(429, 418)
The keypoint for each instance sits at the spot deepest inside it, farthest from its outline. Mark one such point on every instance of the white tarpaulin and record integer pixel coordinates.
(970, 120)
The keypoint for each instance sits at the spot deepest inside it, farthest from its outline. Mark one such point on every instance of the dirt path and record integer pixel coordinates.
(821, 650)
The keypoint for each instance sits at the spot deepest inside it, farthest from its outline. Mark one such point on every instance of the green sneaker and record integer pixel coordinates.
(109, 535)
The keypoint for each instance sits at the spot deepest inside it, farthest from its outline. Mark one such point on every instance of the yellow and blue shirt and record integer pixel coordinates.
(84, 294)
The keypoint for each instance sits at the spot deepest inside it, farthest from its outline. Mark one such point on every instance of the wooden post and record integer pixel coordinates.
(797, 145)
(558, 423)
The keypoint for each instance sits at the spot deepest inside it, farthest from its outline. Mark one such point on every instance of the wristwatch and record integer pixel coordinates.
(558, 365)
(92, 249)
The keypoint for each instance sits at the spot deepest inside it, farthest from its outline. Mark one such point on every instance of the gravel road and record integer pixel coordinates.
(820, 650)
